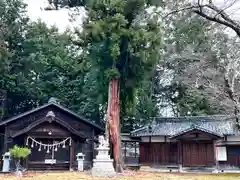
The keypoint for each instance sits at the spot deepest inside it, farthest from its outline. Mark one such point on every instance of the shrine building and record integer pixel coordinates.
(189, 144)
(56, 135)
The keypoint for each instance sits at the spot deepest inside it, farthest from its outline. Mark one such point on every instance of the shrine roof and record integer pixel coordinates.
(171, 126)
(57, 105)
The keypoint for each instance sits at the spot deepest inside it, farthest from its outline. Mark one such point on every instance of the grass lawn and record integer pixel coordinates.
(136, 176)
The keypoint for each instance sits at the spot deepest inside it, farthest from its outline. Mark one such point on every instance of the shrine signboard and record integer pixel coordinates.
(50, 161)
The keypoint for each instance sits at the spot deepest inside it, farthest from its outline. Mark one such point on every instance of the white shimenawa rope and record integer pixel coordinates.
(48, 146)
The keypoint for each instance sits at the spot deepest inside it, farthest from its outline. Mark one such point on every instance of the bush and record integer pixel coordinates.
(20, 152)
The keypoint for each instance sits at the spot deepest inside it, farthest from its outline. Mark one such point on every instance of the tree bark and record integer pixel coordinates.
(114, 122)
(18, 168)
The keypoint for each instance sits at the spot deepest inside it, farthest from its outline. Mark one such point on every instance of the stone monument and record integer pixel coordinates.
(103, 164)
(6, 162)
(80, 160)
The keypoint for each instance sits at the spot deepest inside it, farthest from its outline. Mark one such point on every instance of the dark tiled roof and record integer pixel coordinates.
(171, 126)
(52, 103)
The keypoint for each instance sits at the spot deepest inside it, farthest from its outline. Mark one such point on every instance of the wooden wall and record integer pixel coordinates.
(233, 156)
(88, 130)
(130, 152)
(198, 154)
(157, 153)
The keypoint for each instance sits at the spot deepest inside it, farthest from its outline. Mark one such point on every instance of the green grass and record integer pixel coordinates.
(127, 176)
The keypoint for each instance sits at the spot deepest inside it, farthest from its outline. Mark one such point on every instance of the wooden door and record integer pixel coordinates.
(233, 155)
(158, 153)
(198, 154)
(144, 153)
(49, 159)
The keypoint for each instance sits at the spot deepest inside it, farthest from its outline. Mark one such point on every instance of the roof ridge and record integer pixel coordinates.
(168, 126)
(139, 129)
(86, 120)
(192, 118)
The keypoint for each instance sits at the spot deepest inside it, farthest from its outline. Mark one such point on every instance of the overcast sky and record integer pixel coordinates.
(61, 17)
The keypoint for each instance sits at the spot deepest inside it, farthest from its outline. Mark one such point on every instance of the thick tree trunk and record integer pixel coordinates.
(114, 122)
(18, 168)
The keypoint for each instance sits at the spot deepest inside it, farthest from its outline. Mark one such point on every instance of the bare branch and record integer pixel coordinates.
(218, 15)
(199, 5)
(222, 13)
(227, 22)
(227, 7)
(177, 11)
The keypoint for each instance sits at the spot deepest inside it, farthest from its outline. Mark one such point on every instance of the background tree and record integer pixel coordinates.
(210, 10)
(59, 70)
(147, 104)
(13, 71)
(37, 63)
(217, 74)
(183, 98)
(53, 67)
(123, 42)
(204, 60)
(221, 12)
(182, 31)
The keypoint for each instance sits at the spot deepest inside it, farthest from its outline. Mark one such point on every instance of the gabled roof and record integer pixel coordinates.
(52, 103)
(44, 119)
(171, 126)
(195, 128)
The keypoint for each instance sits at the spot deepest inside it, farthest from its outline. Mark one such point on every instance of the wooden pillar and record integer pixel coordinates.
(93, 150)
(26, 161)
(5, 148)
(135, 149)
(71, 160)
(215, 155)
(93, 134)
(180, 156)
(150, 154)
(125, 152)
(125, 149)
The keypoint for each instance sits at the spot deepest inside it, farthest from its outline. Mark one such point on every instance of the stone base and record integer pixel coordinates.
(103, 168)
(215, 171)
(158, 169)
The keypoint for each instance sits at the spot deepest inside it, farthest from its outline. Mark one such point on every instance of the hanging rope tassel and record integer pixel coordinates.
(49, 146)
(48, 149)
(27, 142)
(40, 147)
(32, 144)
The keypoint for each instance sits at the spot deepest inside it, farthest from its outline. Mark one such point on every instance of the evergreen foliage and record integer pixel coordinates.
(123, 41)
(120, 39)
(20, 152)
(44, 63)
